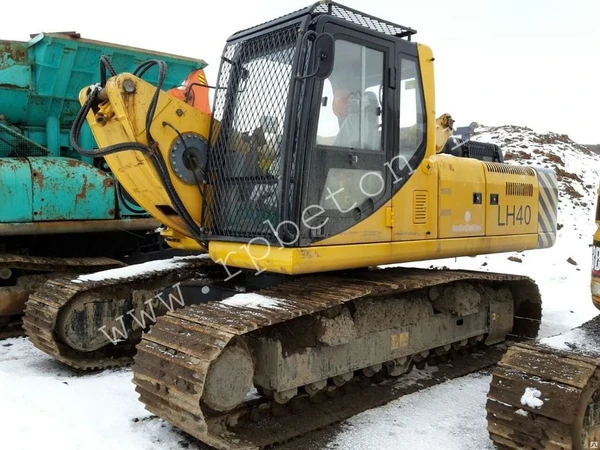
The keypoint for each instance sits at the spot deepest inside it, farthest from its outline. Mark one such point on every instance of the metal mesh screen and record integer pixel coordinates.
(13, 144)
(365, 20)
(249, 113)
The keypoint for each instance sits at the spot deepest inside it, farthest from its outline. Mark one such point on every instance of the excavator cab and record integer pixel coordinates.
(333, 97)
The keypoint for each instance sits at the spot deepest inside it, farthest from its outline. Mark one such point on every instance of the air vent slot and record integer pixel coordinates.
(420, 207)
(519, 189)
(510, 169)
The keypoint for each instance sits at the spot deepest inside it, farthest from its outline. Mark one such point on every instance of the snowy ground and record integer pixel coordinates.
(44, 405)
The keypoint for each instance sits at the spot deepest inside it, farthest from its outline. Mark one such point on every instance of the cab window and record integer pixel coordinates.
(350, 115)
(412, 119)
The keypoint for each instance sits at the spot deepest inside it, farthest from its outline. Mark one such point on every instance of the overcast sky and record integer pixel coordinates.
(532, 63)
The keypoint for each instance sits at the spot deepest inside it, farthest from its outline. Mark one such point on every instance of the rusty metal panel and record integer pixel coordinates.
(68, 189)
(14, 64)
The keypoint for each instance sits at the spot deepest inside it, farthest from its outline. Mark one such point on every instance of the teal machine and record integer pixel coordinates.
(59, 211)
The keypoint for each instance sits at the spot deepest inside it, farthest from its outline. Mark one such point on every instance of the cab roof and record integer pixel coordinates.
(327, 7)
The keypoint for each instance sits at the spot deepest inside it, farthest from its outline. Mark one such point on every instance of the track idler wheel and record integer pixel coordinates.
(229, 379)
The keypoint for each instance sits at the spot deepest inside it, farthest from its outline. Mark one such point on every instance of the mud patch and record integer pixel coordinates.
(338, 330)
(459, 299)
(374, 315)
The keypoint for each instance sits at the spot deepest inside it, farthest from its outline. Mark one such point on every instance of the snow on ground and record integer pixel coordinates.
(573, 339)
(44, 405)
(448, 416)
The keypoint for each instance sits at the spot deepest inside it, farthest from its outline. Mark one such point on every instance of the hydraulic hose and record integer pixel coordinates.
(105, 65)
(150, 151)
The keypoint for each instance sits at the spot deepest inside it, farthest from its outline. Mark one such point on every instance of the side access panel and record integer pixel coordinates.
(462, 189)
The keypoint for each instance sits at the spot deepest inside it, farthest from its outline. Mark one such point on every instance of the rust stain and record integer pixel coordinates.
(12, 52)
(38, 178)
(18, 50)
(83, 193)
(107, 183)
(73, 163)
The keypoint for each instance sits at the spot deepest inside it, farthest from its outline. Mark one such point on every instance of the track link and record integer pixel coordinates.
(55, 298)
(34, 270)
(176, 358)
(563, 411)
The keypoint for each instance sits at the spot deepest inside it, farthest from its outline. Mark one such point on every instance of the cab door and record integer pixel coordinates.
(346, 185)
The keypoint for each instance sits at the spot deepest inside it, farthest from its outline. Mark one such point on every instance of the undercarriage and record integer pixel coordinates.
(218, 357)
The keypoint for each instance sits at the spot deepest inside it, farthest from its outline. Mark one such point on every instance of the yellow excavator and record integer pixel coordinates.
(321, 161)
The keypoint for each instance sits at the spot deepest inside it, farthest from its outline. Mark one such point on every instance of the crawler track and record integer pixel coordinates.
(176, 359)
(33, 271)
(56, 298)
(565, 410)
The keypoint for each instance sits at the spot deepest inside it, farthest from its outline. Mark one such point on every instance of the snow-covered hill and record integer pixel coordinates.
(46, 406)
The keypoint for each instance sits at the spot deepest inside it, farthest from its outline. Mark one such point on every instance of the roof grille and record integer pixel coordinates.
(359, 18)
(336, 10)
